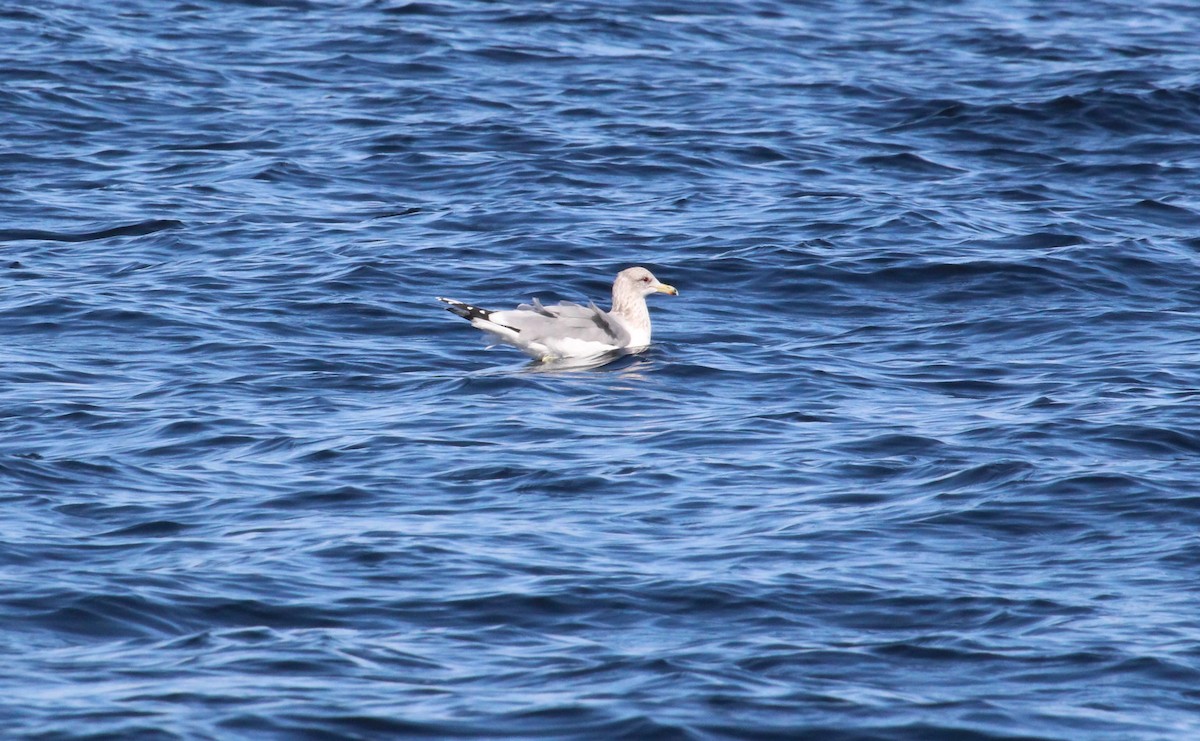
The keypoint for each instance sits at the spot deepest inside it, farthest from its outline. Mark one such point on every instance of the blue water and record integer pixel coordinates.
(915, 454)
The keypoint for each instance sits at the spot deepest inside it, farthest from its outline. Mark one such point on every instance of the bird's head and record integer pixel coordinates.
(641, 280)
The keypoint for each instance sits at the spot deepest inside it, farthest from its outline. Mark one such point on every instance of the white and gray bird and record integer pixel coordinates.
(570, 330)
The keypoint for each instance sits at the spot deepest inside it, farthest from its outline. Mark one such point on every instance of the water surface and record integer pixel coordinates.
(913, 456)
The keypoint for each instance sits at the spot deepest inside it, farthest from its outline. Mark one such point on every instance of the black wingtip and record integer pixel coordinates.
(466, 311)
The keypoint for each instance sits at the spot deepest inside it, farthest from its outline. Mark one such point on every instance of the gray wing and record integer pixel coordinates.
(537, 323)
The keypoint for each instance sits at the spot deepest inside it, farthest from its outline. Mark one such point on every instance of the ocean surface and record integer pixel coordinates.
(914, 455)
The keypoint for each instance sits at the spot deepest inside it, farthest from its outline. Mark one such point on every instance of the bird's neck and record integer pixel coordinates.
(632, 309)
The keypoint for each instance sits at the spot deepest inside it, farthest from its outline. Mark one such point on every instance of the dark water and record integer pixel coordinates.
(915, 455)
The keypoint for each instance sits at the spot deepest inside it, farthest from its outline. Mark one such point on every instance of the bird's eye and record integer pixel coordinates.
(646, 279)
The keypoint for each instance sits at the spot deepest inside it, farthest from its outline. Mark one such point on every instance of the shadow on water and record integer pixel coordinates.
(614, 362)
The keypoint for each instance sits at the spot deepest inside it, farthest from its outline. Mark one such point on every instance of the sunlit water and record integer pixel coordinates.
(914, 454)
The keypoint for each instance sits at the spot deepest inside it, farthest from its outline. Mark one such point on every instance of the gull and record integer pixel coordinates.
(570, 330)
